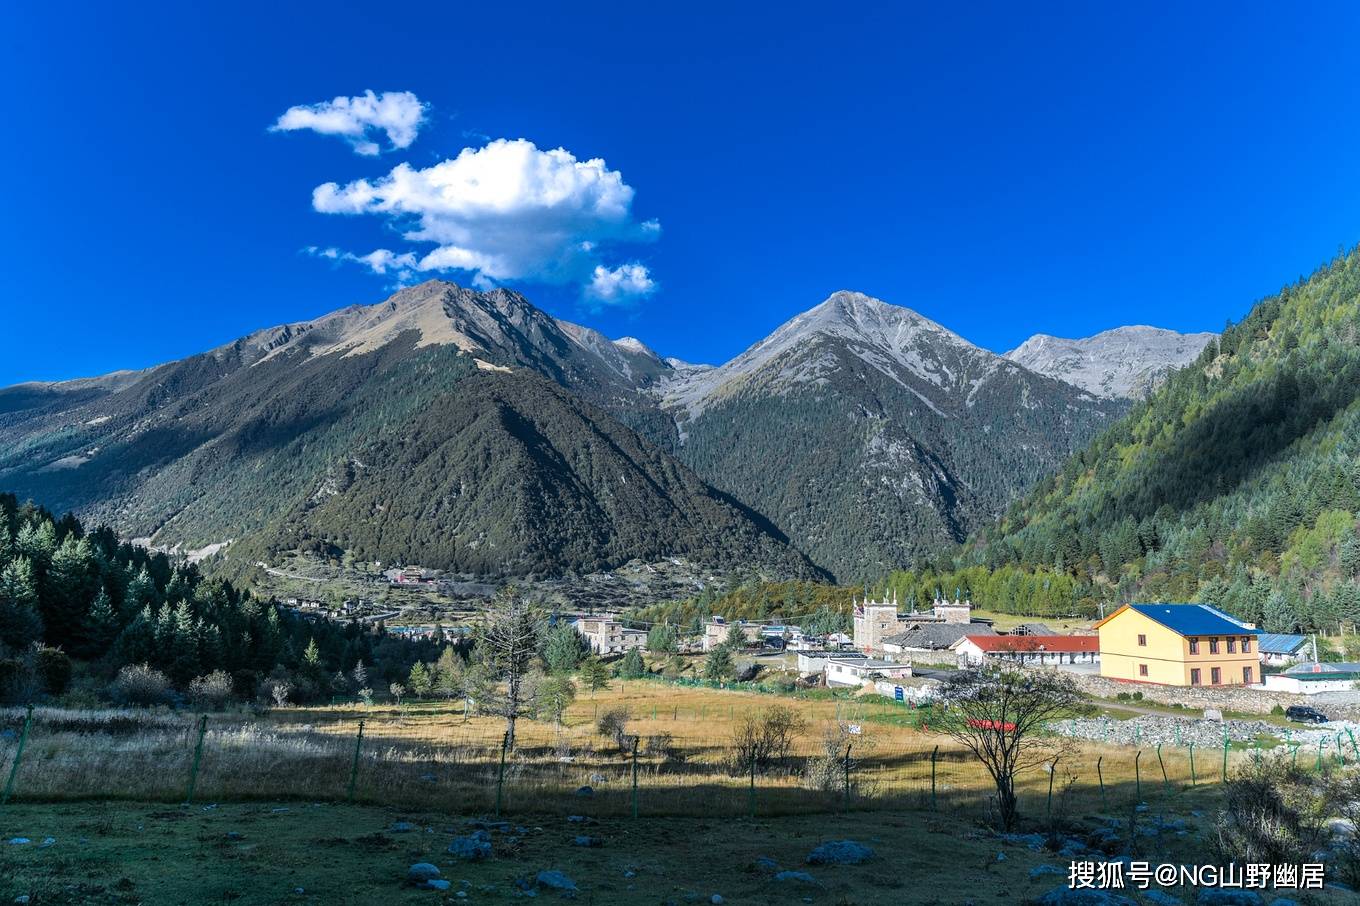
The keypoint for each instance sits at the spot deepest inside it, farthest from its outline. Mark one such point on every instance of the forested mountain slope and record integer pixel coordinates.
(1238, 482)
(510, 474)
(871, 435)
(221, 447)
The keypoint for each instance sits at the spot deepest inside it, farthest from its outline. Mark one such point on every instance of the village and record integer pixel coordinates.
(1170, 652)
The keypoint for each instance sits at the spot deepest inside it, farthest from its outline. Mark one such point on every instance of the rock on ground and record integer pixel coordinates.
(474, 847)
(840, 852)
(421, 872)
(555, 880)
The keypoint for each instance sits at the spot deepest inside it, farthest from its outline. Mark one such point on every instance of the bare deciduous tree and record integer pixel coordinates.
(507, 646)
(1001, 715)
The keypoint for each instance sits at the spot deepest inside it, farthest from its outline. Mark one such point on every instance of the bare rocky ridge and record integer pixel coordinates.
(1124, 363)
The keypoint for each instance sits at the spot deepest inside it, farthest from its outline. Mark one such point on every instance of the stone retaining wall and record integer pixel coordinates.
(1225, 698)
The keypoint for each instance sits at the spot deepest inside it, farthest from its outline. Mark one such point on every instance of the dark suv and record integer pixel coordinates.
(1302, 714)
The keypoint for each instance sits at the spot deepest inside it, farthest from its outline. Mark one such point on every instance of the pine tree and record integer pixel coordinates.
(419, 680)
(633, 666)
(736, 637)
(662, 639)
(67, 592)
(718, 665)
(20, 623)
(183, 662)
(563, 650)
(594, 675)
(101, 628)
(448, 674)
(137, 642)
(141, 592)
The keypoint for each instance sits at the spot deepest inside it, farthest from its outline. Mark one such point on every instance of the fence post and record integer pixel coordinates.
(848, 746)
(354, 765)
(933, 755)
(1104, 803)
(500, 772)
(1052, 772)
(1166, 783)
(1193, 779)
(635, 770)
(752, 798)
(1138, 776)
(1225, 759)
(1322, 744)
(198, 756)
(18, 755)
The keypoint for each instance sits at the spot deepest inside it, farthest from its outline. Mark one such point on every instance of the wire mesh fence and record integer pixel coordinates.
(652, 760)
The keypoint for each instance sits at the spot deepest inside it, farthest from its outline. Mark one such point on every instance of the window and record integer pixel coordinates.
(1246, 675)
(1213, 646)
(1142, 669)
(1194, 676)
(1142, 641)
(1232, 646)
(1246, 644)
(1194, 646)
(1215, 676)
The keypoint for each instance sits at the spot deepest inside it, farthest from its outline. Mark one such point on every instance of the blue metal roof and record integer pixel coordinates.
(1279, 642)
(1193, 619)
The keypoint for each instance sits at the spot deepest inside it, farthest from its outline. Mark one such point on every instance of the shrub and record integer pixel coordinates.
(54, 669)
(140, 684)
(1278, 710)
(662, 745)
(1275, 811)
(765, 739)
(211, 692)
(613, 724)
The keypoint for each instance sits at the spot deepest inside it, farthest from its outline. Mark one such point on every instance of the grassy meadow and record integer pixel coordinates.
(431, 754)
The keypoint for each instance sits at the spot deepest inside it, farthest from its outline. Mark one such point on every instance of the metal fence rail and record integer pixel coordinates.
(667, 762)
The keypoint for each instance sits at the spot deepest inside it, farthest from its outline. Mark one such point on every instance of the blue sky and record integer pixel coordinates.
(1005, 171)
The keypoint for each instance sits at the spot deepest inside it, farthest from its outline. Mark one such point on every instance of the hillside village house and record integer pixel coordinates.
(1279, 649)
(716, 629)
(1031, 650)
(876, 622)
(1311, 678)
(607, 636)
(858, 671)
(1178, 645)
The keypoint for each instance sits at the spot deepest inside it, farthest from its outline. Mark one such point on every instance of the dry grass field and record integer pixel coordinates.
(430, 754)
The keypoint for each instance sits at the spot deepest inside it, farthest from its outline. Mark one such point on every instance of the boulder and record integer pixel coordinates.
(436, 884)
(402, 827)
(585, 792)
(421, 872)
(555, 880)
(585, 840)
(765, 863)
(472, 848)
(840, 852)
(800, 877)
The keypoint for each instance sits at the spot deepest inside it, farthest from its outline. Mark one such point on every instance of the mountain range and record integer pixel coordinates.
(474, 432)
(1124, 363)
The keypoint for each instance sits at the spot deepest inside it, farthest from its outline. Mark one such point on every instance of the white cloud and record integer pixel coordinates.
(399, 114)
(510, 211)
(622, 284)
(379, 261)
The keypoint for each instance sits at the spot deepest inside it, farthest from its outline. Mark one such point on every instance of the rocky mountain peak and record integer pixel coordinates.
(1122, 363)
